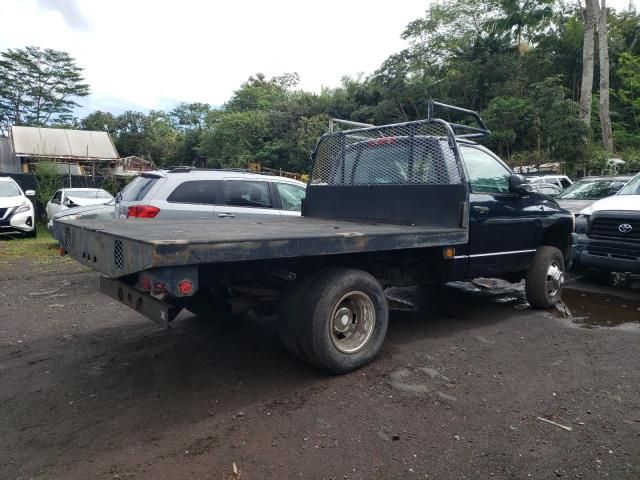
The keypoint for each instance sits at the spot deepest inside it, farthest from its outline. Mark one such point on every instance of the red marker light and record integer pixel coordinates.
(185, 287)
(146, 283)
(142, 211)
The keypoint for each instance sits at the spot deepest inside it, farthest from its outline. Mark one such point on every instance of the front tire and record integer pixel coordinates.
(343, 320)
(545, 278)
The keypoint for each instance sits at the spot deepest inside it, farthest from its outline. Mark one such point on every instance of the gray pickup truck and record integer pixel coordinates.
(415, 203)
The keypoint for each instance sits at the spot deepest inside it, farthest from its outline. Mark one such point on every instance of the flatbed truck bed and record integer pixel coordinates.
(117, 248)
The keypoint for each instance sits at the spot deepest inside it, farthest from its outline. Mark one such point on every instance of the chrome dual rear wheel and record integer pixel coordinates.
(336, 319)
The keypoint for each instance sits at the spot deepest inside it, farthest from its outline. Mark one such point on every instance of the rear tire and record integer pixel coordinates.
(343, 319)
(545, 278)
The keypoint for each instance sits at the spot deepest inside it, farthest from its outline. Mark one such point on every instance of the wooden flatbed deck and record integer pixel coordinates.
(121, 247)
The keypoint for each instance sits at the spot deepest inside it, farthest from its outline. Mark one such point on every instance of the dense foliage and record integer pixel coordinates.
(518, 62)
(38, 86)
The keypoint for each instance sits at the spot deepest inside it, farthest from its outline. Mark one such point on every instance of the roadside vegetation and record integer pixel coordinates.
(533, 68)
(41, 249)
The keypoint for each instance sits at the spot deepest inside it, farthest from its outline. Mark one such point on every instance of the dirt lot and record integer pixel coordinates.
(89, 389)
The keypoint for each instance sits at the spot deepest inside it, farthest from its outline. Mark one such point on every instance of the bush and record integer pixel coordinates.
(632, 159)
(48, 181)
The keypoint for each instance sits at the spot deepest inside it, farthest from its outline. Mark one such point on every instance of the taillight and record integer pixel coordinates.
(142, 211)
(185, 287)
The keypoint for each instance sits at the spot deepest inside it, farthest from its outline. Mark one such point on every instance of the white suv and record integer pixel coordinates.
(199, 193)
(16, 210)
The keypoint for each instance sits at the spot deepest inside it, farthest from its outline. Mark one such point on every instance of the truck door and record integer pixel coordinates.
(503, 226)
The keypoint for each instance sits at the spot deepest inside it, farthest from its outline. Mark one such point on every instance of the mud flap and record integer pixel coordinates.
(160, 312)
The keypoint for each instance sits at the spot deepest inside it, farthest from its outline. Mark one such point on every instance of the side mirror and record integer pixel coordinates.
(519, 184)
(30, 193)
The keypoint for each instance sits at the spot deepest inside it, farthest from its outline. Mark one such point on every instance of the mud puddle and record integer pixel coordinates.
(593, 310)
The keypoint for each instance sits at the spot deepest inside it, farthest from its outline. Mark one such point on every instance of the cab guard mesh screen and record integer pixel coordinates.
(420, 153)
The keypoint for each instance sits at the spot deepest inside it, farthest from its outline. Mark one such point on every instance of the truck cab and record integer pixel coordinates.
(507, 222)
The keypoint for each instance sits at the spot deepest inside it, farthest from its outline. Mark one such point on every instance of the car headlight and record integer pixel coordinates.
(24, 207)
(582, 222)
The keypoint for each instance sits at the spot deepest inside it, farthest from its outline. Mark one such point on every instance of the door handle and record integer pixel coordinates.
(226, 215)
(480, 209)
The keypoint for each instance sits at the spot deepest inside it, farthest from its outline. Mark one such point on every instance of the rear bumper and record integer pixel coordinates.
(606, 255)
(160, 312)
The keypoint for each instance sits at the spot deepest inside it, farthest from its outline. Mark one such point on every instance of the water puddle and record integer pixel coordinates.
(592, 310)
(588, 306)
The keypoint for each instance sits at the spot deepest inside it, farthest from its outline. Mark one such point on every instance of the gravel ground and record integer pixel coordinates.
(89, 389)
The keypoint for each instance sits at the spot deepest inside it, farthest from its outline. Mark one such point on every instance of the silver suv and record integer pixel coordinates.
(198, 193)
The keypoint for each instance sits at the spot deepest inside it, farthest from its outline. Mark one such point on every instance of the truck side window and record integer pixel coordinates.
(486, 174)
(243, 193)
(57, 197)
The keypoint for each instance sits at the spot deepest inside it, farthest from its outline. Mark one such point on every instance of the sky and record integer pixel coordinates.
(145, 54)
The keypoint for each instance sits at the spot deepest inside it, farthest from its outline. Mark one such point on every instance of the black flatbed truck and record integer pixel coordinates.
(403, 204)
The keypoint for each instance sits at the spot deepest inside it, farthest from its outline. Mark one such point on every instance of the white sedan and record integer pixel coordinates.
(76, 197)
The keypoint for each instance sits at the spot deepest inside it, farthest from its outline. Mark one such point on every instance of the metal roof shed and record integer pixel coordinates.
(61, 143)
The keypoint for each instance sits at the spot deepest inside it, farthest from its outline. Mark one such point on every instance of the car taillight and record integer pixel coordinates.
(142, 211)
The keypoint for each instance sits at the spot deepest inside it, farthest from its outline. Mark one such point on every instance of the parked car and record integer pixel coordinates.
(589, 189)
(106, 210)
(546, 188)
(194, 193)
(607, 234)
(561, 181)
(76, 197)
(16, 210)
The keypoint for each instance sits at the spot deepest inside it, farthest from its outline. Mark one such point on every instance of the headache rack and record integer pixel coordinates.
(422, 152)
(422, 155)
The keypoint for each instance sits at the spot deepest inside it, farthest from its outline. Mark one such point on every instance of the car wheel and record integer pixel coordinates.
(545, 278)
(343, 320)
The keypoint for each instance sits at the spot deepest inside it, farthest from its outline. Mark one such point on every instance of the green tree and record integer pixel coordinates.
(560, 134)
(235, 139)
(189, 119)
(628, 96)
(100, 121)
(509, 119)
(38, 87)
(150, 136)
